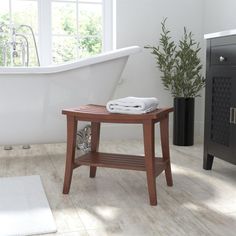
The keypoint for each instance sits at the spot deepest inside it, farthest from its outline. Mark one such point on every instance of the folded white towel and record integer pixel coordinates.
(132, 105)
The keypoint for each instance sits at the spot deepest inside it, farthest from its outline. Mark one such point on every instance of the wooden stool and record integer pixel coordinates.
(98, 114)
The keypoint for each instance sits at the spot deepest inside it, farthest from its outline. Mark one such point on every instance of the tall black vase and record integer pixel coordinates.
(183, 121)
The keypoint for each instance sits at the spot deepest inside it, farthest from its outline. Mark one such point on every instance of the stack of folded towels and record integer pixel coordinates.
(132, 105)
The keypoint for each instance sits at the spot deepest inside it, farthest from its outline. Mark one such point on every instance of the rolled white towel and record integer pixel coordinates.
(132, 105)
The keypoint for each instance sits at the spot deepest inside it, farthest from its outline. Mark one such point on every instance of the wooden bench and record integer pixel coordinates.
(149, 163)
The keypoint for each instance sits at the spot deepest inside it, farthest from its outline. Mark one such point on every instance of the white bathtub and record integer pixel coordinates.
(31, 99)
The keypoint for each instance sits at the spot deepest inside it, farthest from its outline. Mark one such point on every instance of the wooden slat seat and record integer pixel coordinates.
(99, 113)
(96, 114)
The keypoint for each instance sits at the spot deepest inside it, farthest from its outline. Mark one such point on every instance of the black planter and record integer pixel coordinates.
(183, 121)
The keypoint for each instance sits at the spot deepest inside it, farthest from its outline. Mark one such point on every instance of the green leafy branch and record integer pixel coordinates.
(180, 64)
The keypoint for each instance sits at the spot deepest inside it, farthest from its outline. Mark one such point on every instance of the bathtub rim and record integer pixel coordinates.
(103, 57)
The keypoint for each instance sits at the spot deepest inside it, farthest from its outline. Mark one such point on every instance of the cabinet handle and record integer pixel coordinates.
(231, 115)
(234, 115)
(222, 59)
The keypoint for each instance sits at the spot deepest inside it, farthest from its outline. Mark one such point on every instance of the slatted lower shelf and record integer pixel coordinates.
(119, 161)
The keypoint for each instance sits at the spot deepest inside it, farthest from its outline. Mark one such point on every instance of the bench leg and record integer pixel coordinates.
(149, 150)
(70, 152)
(95, 137)
(164, 128)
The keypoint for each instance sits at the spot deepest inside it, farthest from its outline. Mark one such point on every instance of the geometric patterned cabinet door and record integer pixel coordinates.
(220, 100)
(220, 110)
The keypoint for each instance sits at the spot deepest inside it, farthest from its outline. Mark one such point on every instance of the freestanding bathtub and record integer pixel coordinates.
(31, 99)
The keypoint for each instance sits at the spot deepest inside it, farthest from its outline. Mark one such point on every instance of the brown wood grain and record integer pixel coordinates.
(152, 165)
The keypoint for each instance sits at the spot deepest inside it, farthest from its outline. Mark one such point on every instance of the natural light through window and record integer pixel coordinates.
(64, 29)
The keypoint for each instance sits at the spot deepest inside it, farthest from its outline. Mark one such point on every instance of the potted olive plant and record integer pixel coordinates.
(181, 68)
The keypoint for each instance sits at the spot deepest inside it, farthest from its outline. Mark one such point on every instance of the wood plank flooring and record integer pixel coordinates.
(116, 201)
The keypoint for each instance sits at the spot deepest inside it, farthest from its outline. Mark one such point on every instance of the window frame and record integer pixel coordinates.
(45, 27)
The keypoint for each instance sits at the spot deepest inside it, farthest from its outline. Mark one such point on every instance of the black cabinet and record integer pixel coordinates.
(220, 103)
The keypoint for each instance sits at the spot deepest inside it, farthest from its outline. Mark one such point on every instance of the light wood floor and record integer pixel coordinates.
(116, 201)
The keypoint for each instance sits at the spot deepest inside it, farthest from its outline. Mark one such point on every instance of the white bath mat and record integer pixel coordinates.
(24, 209)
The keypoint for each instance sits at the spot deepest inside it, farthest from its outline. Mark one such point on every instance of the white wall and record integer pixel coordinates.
(138, 23)
(219, 15)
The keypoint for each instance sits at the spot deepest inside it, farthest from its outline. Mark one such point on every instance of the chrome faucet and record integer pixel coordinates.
(15, 45)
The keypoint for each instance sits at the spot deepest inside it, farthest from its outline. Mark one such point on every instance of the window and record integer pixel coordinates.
(15, 11)
(76, 29)
(65, 29)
